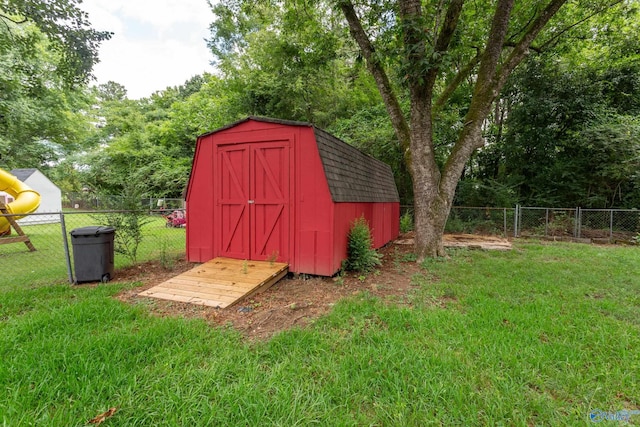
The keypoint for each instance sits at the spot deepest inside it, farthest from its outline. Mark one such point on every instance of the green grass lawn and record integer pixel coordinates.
(48, 263)
(542, 335)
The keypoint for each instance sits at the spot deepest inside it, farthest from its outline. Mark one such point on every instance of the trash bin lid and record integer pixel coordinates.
(92, 230)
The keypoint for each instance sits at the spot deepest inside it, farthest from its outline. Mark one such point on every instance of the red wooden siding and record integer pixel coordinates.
(258, 190)
(313, 226)
(230, 198)
(269, 203)
(200, 238)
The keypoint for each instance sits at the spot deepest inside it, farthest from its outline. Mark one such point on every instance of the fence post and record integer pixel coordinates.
(611, 226)
(546, 222)
(504, 218)
(515, 221)
(63, 226)
(577, 229)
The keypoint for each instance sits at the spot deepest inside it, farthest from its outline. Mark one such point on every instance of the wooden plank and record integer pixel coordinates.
(193, 294)
(232, 277)
(205, 290)
(236, 275)
(221, 282)
(21, 236)
(190, 300)
(7, 240)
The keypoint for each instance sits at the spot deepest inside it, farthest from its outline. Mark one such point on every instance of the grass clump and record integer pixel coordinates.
(361, 255)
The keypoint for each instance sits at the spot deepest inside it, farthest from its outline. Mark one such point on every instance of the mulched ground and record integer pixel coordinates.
(292, 302)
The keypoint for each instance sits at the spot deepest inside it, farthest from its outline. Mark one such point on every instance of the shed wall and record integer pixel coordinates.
(310, 210)
(318, 226)
(313, 227)
(383, 219)
(200, 239)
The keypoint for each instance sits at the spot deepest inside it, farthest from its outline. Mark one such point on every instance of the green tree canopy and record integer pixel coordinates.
(67, 28)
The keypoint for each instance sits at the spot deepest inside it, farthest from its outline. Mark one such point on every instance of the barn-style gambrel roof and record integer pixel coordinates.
(352, 176)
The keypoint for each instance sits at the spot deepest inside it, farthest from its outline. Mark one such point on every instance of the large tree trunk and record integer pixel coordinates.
(431, 207)
(434, 191)
(430, 218)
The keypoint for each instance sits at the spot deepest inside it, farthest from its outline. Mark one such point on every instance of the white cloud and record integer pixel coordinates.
(156, 43)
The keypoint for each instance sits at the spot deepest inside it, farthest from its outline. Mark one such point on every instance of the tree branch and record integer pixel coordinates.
(524, 27)
(444, 38)
(377, 71)
(493, 50)
(484, 92)
(533, 48)
(575, 24)
(10, 19)
(451, 87)
(449, 25)
(522, 47)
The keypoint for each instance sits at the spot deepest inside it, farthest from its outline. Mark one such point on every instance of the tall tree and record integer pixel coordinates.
(438, 46)
(288, 59)
(40, 118)
(563, 132)
(68, 29)
(47, 52)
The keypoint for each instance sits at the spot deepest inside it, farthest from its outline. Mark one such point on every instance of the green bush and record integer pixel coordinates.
(406, 222)
(362, 257)
(128, 222)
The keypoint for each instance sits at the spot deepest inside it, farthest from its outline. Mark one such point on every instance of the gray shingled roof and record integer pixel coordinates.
(352, 175)
(23, 174)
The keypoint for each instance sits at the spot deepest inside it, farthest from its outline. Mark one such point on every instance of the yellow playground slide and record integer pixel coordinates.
(25, 200)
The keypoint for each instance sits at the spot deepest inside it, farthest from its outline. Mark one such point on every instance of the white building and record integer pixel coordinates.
(50, 196)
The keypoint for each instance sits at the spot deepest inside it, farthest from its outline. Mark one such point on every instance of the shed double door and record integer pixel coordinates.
(253, 201)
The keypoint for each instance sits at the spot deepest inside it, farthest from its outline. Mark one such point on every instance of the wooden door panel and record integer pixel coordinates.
(270, 235)
(233, 194)
(270, 207)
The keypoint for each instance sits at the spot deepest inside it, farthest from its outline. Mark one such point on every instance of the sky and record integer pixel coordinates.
(156, 43)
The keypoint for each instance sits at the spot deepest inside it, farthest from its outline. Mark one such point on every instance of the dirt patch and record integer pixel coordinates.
(469, 241)
(294, 301)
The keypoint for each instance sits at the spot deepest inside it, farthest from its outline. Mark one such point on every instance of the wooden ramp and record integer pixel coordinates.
(221, 282)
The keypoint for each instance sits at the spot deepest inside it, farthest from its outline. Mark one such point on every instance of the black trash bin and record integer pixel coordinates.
(93, 253)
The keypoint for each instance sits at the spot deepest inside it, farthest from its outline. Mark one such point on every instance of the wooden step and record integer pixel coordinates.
(220, 282)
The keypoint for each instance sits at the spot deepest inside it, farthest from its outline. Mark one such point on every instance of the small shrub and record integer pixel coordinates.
(455, 225)
(166, 260)
(406, 222)
(128, 221)
(273, 257)
(361, 256)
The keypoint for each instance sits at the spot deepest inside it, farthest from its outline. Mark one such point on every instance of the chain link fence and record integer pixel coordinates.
(474, 220)
(484, 221)
(575, 224)
(92, 201)
(162, 238)
(578, 224)
(551, 222)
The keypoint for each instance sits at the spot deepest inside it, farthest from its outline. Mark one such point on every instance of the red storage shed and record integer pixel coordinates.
(267, 189)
